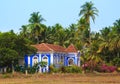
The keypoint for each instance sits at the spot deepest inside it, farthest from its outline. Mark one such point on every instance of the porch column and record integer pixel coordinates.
(39, 57)
(51, 58)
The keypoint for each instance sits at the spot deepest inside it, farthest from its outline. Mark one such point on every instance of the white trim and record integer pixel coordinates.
(72, 53)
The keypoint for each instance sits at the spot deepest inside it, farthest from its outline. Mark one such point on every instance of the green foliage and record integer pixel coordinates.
(42, 64)
(31, 70)
(65, 69)
(12, 47)
(7, 56)
(19, 68)
(73, 69)
(6, 76)
(52, 69)
(109, 46)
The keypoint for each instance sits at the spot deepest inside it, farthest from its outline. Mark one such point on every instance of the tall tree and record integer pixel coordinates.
(24, 31)
(88, 11)
(36, 18)
(36, 25)
(110, 43)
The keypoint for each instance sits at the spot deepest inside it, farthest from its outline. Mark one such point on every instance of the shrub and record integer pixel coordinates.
(19, 68)
(31, 70)
(52, 69)
(65, 69)
(6, 76)
(86, 67)
(118, 69)
(62, 69)
(71, 69)
(106, 68)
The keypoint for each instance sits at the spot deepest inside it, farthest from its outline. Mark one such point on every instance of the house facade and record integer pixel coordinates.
(53, 55)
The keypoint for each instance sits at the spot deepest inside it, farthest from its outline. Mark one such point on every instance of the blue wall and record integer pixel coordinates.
(26, 60)
(65, 56)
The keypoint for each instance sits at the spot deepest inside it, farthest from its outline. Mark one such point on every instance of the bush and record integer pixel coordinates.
(70, 69)
(19, 68)
(106, 68)
(6, 76)
(118, 69)
(31, 70)
(85, 66)
(62, 69)
(65, 69)
(52, 69)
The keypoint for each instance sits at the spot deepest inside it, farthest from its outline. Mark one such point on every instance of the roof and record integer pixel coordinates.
(45, 47)
(71, 48)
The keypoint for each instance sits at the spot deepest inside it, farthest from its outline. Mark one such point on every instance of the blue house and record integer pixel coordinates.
(53, 55)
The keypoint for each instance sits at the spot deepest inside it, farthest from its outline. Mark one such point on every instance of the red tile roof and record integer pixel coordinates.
(71, 48)
(45, 47)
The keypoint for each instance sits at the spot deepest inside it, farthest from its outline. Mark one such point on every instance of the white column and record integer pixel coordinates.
(79, 62)
(51, 60)
(40, 68)
(75, 60)
(28, 60)
(39, 57)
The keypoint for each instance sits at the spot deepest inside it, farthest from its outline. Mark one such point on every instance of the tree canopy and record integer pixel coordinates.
(12, 47)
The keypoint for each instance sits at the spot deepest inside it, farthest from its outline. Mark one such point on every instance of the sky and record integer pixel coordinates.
(15, 13)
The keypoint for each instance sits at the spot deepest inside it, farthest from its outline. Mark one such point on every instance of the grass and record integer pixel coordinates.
(61, 79)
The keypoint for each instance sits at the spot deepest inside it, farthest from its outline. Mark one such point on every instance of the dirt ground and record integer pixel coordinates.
(61, 79)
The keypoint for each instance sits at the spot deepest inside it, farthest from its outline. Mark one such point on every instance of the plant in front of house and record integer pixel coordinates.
(106, 68)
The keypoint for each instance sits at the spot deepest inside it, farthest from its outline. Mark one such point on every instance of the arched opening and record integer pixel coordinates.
(45, 68)
(35, 60)
(45, 59)
(70, 61)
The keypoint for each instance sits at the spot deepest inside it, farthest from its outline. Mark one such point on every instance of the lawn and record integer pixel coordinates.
(113, 78)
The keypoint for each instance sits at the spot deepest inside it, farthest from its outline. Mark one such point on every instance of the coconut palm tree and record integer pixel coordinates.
(88, 11)
(36, 25)
(24, 31)
(110, 43)
(36, 18)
